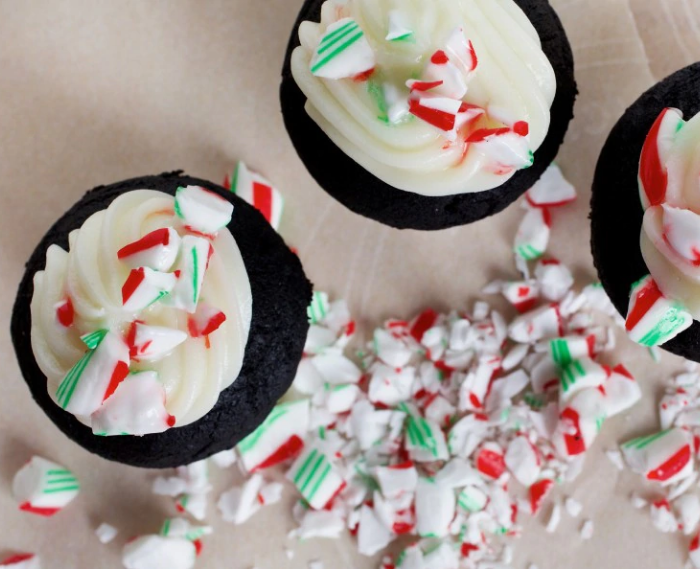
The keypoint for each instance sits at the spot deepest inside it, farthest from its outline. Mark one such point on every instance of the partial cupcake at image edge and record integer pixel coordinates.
(427, 119)
(645, 220)
(159, 320)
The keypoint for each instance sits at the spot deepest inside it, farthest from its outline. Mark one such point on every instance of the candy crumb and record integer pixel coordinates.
(587, 530)
(289, 553)
(638, 502)
(554, 518)
(106, 533)
(573, 507)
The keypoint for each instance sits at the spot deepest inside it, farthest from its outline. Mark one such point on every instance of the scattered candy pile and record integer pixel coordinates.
(669, 459)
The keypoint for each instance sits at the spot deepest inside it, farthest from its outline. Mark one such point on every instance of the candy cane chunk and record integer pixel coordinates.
(205, 321)
(96, 375)
(505, 149)
(681, 230)
(156, 250)
(258, 192)
(21, 561)
(532, 237)
(522, 295)
(240, 503)
(580, 374)
(523, 461)
(554, 280)
(551, 190)
(664, 457)
(397, 480)
(65, 313)
(538, 324)
(580, 422)
(490, 461)
(653, 171)
(389, 387)
(399, 27)
(145, 287)
(392, 351)
(180, 527)
(688, 508)
(425, 440)
(319, 307)
(316, 478)
(152, 343)
(343, 52)
(192, 265)
(622, 392)
(195, 504)
(106, 533)
(44, 488)
(137, 407)
(473, 499)
(372, 535)
(278, 439)
(653, 319)
(435, 508)
(202, 211)
(158, 552)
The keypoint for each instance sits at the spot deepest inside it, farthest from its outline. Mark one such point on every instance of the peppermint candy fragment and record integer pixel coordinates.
(554, 280)
(506, 149)
(399, 27)
(391, 350)
(137, 407)
(96, 375)
(653, 173)
(538, 492)
(278, 439)
(106, 533)
(43, 487)
(21, 561)
(664, 457)
(145, 287)
(205, 321)
(192, 265)
(579, 375)
(195, 504)
(397, 480)
(532, 237)
(523, 461)
(343, 52)
(319, 307)
(240, 503)
(156, 250)
(622, 391)
(390, 387)
(522, 295)
(473, 499)
(580, 422)
(490, 461)
(158, 552)
(435, 508)
(461, 51)
(180, 527)
(680, 231)
(65, 313)
(425, 441)
(202, 211)
(316, 478)
(653, 319)
(258, 192)
(152, 343)
(551, 190)
(542, 323)
(372, 534)
(694, 551)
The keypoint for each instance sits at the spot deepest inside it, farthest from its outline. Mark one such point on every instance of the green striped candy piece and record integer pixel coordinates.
(674, 321)
(318, 309)
(376, 93)
(93, 339)
(528, 252)
(472, 500)
(420, 434)
(60, 480)
(571, 374)
(336, 42)
(70, 382)
(560, 352)
(642, 442)
(312, 473)
(252, 440)
(534, 401)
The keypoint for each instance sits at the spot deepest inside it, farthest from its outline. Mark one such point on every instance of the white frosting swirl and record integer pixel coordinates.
(514, 81)
(92, 276)
(670, 238)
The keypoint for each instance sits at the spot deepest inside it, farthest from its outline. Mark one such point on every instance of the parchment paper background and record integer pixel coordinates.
(94, 91)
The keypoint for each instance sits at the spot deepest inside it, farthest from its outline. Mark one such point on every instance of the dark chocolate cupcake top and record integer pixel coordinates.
(436, 99)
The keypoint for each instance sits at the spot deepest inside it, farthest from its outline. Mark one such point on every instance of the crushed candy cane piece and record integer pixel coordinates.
(157, 552)
(554, 518)
(137, 407)
(663, 518)
(573, 507)
(554, 279)
(622, 391)
(152, 343)
(205, 321)
(156, 250)
(224, 459)
(551, 190)
(688, 508)
(65, 313)
(180, 527)
(240, 503)
(343, 52)
(664, 457)
(372, 535)
(106, 533)
(542, 323)
(43, 487)
(144, 287)
(399, 27)
(22, 561)
(316, 478)
(586, 531)
(202, 211)
(653, 319)
(194, 504)
(191, 268)
(523, 461)
(532, 238)
(435, 508)
(258, 192)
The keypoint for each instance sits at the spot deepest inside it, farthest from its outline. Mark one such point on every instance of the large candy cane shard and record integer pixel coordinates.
(278, 439)
(137, 407)
(258, 192)
(43, 487)
(158, 552)
(202, 211)
(316, 478)
(665, 457)
(653, 319)
(156, 250)
(653, 173)
(95, 377)
(343, 52)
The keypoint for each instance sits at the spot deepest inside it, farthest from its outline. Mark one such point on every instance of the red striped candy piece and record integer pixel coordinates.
(156, 250)
(653, 172)
(681, 230)
(44, 488)
(461, 51)
(96, 375)
(206, 320)
(152, 343)
(144, 287)
(137, 407)
(653, 319)
(490, 461)
(422, 323)
(665, 457)
(65, 313)
(21, 561)
(505, 148)
(195, 254)
(258, 192)
(538, 493)
(551, 190)
(524, 296)
(694, 550)
(202, 211)
(580, 422)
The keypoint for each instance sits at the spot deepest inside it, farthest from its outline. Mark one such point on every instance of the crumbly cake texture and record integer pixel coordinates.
(357, 189)
(281, 294)
(616, 210)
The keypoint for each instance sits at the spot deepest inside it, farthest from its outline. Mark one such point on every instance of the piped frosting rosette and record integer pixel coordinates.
(665, 303)
(142, 323)
(438, 99)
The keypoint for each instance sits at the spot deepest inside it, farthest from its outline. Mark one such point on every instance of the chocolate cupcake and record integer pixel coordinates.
(645, 215)
(427, 116)
(159, 320)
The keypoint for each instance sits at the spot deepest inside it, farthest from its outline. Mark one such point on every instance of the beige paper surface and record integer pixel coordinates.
(93, 91)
